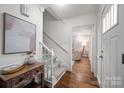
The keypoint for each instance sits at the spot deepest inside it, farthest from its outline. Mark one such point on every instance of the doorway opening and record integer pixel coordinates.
(81, 43)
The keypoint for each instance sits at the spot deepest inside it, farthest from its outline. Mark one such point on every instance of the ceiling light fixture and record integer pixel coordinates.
(62, 5)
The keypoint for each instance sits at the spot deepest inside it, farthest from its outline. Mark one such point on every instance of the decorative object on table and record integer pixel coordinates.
(24, 9)
(11, 69)
(30, 59)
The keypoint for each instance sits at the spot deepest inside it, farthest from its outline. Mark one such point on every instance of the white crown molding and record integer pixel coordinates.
(53, 13)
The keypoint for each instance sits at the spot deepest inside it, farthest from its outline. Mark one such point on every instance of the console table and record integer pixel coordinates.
(28, 77)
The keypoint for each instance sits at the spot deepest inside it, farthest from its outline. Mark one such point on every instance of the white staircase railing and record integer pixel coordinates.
(54, 65)
(47, 57)
(58, 71)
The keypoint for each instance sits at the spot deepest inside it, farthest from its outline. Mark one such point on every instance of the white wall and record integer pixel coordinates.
(59, 31)
(35, 17)
(99, 45)
(93, 50)
(120, 28)
(83, 20)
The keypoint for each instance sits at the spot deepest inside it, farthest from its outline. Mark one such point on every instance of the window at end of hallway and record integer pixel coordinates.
(109, 17)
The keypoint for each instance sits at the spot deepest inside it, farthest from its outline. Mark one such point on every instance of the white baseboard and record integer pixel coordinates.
(69, 69)
(58, 79)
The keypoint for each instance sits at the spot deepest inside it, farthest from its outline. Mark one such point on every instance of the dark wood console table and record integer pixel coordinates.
(25, 78)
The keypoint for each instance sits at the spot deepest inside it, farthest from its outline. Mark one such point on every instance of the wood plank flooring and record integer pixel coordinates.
(80, 77)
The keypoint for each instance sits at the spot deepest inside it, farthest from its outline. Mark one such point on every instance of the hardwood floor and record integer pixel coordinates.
(80, 77)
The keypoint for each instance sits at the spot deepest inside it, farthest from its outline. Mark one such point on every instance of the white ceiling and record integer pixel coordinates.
(71, 10)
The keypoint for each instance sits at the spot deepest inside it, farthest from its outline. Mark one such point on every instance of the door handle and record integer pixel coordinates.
(101, 57)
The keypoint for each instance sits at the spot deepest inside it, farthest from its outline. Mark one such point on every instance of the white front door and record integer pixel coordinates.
(110, 52)
(109, 63)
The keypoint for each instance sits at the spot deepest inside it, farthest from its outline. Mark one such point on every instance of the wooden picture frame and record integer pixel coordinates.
(23, 29)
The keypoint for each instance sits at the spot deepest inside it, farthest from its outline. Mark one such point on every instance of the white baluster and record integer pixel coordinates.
(52, 68)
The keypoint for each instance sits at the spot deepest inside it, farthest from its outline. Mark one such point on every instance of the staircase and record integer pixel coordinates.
(59, 68)
(54, 66)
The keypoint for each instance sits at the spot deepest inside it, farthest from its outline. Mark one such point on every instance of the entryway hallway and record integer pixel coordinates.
(80, 77)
